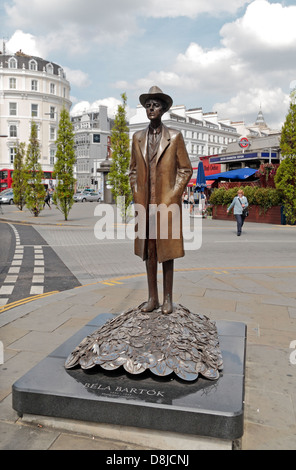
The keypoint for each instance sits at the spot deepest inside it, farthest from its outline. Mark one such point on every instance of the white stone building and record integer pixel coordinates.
(92, 129)
(204, 133)
(30, 88)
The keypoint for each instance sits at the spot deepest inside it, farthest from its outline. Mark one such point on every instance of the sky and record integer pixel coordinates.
(232, 57)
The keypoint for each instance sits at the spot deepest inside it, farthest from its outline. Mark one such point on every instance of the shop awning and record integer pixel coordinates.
(239, 174)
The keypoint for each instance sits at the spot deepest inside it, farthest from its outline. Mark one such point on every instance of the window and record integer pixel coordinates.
(12, 152)
(12, 63)
(51, 157)
(34, 85)
(34, 110)
(33, 65)
(52, 133)
(52, 112)
(12, 83)
(52, 88)
(12, 109)
(12, 130)
(49, 68)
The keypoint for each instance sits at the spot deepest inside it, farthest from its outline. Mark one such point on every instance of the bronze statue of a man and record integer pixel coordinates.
(159, 172)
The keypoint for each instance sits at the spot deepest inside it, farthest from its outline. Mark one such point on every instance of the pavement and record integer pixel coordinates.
(262, 296)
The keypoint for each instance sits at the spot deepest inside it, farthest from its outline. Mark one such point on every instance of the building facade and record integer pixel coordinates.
(92, 130)
(258, 144)
(249, 152)
(204, 134)
(31, 88)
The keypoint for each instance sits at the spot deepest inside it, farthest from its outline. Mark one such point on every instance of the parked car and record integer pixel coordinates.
(6, 197)
(88, 196)
(88, 190)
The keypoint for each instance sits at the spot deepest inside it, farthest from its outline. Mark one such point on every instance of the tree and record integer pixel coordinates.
(19, 183)
(64, 166)
(118, 176)
(35, 191)
(285, 178)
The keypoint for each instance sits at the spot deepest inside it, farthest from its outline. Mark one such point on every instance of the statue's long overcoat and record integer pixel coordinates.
(173, 171)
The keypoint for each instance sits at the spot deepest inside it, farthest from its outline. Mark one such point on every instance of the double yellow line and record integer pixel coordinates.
(18, 303)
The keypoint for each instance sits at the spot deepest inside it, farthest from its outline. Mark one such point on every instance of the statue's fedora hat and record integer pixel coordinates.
(156, 92)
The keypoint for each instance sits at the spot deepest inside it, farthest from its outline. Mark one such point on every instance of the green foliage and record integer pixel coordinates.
(64, 166)
(35, 191)
(285, 178)
(285, 181)
(118, 175)
(217, 196)
(288, 135)
(19, 177)
(263, 197)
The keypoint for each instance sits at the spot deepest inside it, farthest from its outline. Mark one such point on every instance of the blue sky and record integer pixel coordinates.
(230, 56)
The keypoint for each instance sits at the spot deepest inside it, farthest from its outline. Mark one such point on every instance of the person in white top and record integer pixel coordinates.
(239, 203)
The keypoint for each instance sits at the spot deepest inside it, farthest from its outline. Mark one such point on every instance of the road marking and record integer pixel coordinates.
(39, 262)
(36, 290)
(107, 283)
(18, 303)
(12, 276)
(15, 270)
(37, 287)
(6, 290)
(38, 279)
(39, 270)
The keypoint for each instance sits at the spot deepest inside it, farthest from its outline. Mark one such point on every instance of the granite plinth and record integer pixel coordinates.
(202, 408)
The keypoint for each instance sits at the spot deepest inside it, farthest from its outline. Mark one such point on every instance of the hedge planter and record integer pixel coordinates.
(256, 214)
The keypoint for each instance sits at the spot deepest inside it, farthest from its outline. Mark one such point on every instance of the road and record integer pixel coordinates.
(50, 256)
(249, 279)
(28, 265)
(92, 260)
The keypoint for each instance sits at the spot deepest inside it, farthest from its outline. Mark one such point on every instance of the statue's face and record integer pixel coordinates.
(154, 109)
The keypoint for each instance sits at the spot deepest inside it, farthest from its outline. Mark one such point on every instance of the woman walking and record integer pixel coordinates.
(47, 199)
(239, 203)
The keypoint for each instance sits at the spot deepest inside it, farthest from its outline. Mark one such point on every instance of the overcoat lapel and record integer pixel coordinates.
(143, 143)
(164, 142)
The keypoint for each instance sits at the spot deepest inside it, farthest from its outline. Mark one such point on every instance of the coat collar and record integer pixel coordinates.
(163, 144)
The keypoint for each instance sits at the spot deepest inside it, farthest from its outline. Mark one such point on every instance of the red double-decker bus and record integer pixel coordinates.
(6, 178)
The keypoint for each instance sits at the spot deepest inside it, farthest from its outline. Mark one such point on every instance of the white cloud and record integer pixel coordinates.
(256, 51)
(77, 77)
(264, 26)
(30, 45)
(190, 8)
(246, 103)
(111, 103)
(254, 64)
(24, 41)
(75, 25)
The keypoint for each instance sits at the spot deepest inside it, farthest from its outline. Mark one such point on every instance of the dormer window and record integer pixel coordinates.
(33, 65)
(49, 68)
(12, 63)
